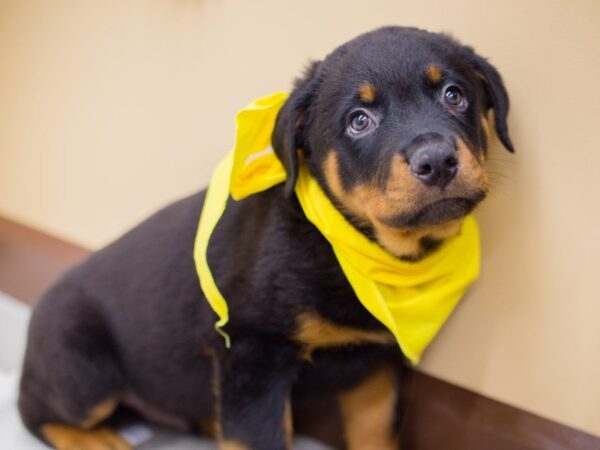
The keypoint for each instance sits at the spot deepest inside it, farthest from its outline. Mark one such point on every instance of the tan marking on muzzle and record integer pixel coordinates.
(403, 192)
(368, 201)
(471, 174)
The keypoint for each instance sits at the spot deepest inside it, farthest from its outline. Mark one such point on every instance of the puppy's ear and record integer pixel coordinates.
(288, 135)
(496, 98)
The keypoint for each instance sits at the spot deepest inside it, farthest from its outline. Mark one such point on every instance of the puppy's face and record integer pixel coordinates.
(393, 126)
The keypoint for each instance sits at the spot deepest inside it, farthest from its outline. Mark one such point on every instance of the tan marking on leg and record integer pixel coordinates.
(314, 332)
(288, 426)
(208, 428)
(64, 437)
(368, 413)
(217, 429)
(100, 412)
(232, 445)
(367, 92)
(434, 73)
(228, 444)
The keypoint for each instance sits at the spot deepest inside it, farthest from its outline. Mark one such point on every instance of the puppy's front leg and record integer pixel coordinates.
(254, 381)
(369, 412)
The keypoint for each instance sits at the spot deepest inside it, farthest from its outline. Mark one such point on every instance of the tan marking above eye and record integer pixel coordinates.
(434, 73)
(367, 92)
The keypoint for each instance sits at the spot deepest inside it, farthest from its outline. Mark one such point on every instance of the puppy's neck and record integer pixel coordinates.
(406, 244)
(414, 244)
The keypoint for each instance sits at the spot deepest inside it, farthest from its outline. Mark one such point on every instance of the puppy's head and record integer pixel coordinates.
(393, 125)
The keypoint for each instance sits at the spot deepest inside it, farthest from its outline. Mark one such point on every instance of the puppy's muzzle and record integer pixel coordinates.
(434, 163)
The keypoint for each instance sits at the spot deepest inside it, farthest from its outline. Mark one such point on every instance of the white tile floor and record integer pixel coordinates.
(14, 317)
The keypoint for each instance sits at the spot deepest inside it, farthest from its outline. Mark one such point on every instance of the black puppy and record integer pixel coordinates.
(393, 127)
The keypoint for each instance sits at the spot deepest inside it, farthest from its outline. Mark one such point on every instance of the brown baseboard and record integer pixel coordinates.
(31, 260)
(439, 415)
(446, 417)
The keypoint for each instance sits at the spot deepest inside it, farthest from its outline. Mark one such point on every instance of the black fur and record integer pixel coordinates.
(132, 321)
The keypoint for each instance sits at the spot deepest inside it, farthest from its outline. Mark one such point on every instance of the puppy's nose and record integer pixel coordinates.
(434, 164)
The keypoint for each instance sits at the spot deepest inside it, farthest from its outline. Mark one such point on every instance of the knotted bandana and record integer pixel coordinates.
(412, 299)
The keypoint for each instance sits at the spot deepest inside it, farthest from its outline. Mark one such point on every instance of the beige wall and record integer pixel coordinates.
(110, 109)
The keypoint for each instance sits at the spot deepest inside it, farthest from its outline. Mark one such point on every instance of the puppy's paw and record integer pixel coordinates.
(64, 437)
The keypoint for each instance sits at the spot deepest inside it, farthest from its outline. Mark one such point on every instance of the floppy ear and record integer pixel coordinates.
(288, 135)
(497, 98)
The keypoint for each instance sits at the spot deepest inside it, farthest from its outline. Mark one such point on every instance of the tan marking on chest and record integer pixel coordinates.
(315, 332)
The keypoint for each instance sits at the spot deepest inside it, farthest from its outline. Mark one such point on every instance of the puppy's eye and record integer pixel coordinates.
(455, 98)
(360, 123)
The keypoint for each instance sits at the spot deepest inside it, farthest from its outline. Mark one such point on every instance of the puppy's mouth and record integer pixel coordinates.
(437, 213)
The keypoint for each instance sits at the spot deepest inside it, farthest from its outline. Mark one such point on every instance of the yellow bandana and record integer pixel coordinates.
(413, 300)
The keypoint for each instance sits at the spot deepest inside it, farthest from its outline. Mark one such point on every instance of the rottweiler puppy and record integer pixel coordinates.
(393, 125)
